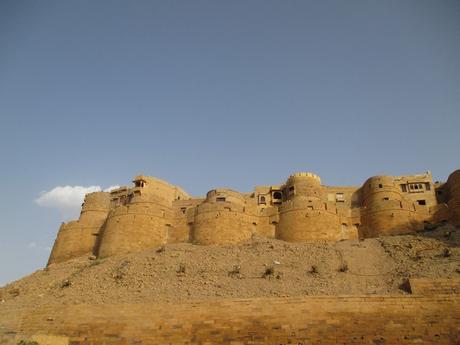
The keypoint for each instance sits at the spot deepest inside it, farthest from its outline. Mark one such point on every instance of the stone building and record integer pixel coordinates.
(153, 212)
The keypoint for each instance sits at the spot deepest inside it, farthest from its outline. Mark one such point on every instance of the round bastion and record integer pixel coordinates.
(304, 214)
(79, 237)
(453, 185)
(385, 211)
(223, 218)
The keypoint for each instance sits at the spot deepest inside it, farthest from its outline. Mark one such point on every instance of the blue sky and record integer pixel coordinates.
(216, 93)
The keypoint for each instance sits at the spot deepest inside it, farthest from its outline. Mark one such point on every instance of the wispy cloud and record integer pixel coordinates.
(108, 189)
(67, 199)
(34, 245)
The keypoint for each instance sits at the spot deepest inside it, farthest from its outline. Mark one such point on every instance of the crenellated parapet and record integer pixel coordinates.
(153, 212)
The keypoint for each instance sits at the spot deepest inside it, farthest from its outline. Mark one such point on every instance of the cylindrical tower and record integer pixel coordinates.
(224, 218)
(304, 214)
(143, 221)
(453, 189)
(79, 237)
(385, 211)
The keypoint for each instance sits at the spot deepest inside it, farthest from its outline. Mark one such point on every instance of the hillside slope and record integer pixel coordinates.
(258, 268)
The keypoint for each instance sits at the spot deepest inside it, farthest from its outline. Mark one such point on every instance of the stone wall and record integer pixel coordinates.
(79, 237)
(453, 186)
(385, 210)
(431, 317)
(224, 218)
(154, 212)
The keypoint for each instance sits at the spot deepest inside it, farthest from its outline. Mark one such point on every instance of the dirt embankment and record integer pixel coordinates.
(258, 268)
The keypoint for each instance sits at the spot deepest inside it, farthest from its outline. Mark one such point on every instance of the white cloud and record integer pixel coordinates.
(108, 189)
(66, 197)
(34, 245)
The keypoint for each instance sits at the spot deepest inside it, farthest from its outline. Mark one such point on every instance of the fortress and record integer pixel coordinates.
(317, 289)
(154, 212)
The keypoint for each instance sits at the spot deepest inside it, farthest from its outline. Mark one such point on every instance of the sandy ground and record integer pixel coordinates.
(258, 268)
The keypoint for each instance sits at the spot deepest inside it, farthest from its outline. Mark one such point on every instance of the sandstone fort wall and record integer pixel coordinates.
(154, 212)
(429, 316)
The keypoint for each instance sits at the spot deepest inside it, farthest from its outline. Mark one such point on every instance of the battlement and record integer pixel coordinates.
(305, 174)
(154, 212)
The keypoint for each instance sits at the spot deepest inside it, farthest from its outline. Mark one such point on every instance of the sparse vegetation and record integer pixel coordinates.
(269, 272)
(446, 253)
(181, 269)
(313, 269)
(236, 270)
(120, 270)
(66, 283)
(27, 342)
(184, 271)
(14, 292)
(343, 268)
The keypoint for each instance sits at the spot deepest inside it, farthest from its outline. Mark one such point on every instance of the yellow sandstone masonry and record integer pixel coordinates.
(154, 212)
(430, 316)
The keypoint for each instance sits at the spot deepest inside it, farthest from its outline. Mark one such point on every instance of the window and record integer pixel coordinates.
(183, 209)
(386, 198)
(380, 185)
(310, 208)
(404, 188)
(427, 186)
(421, 202)
(220, 198)
(339, 197)
(415, 187)
(277, 195)
(262, 200)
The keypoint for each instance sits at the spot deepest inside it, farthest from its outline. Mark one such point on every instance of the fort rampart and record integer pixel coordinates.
(428, 316)
(153, 212)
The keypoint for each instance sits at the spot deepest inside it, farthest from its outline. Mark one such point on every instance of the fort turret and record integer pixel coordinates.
(395, 205)
(305, 214)
(79, 237)
(141, 217)
(224, 218)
